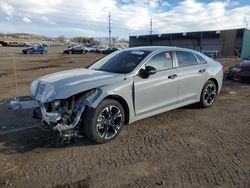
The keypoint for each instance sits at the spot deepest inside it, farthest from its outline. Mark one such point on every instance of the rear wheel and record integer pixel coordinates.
(105, 122)
(208, 94)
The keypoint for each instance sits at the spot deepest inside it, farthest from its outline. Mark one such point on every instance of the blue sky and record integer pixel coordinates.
(129, 17)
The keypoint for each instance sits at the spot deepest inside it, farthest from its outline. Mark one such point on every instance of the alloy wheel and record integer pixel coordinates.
(209, 94)
(109, 122)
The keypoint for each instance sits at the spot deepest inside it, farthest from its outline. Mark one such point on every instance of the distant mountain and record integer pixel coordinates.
(25, 37)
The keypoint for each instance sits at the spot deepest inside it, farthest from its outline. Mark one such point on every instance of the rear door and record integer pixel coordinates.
(192, 76)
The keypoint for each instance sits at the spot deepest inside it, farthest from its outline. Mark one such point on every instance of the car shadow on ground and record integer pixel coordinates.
(35, 138)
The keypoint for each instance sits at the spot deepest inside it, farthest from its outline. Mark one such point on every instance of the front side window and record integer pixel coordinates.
(185, 59)
(161, 61)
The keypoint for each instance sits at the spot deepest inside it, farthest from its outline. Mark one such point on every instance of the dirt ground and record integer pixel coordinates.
(30, 67)
(186, 147)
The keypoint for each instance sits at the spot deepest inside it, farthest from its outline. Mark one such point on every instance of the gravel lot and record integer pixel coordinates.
(186, 147)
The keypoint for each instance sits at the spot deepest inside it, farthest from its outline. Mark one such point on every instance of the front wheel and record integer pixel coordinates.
(105, 122)
(208, 94)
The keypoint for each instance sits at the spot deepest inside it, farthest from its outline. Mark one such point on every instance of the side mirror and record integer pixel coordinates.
(150, 70)
(145, 73)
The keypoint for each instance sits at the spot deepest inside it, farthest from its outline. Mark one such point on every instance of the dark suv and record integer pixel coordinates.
(75, 50)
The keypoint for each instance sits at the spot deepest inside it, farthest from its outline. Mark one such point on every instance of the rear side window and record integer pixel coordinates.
(200, 59)
(185, 59)
(161, 61)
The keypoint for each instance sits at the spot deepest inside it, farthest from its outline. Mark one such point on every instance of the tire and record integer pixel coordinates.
(110, 115)
(208, 94)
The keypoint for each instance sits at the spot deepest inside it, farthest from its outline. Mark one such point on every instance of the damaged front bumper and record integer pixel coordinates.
(60, 118)
(29, 103)
(23, 103)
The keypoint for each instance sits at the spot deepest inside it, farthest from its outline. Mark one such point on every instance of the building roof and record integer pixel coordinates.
(194, 34)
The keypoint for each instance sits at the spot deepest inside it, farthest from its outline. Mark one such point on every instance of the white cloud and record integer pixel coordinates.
(26, 20)
(191, 15)
(44, 18)
(90, 17)
(47, 20)
(6, 8)
(52, 22)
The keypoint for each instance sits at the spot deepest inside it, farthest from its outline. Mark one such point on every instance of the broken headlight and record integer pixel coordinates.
(55, 104)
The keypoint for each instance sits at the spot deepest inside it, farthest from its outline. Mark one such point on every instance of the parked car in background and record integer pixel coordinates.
(101, 49)
(37, 49)
(109, 50)
(94, 49)
(75, 50)
(121, 88)
(72, 45)
(211, 53)
(240, 72)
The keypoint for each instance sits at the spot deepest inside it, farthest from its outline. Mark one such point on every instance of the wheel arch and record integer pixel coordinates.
(124, 104)
(216, 83)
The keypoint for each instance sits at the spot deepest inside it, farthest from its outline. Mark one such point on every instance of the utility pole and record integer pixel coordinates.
(109, 29)
(151, 27)
(150, 32)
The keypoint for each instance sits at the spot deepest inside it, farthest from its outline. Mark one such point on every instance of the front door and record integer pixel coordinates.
(158, 90)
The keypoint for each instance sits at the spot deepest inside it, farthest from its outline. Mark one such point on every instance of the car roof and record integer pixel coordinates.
(156, 48)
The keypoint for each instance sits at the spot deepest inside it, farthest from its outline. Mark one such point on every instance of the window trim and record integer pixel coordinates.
(186, 65)
(196, 55)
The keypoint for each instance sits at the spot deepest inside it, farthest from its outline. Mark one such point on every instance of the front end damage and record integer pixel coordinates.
(60, 115)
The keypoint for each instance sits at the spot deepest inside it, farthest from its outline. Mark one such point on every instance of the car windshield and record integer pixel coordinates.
(122, 62)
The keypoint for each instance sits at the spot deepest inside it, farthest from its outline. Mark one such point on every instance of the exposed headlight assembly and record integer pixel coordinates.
(55, 104)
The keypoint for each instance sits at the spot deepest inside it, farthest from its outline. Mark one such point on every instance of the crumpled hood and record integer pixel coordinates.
(64, 84)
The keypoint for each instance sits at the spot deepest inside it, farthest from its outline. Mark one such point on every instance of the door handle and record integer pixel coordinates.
(172, 76)
(202, 70)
